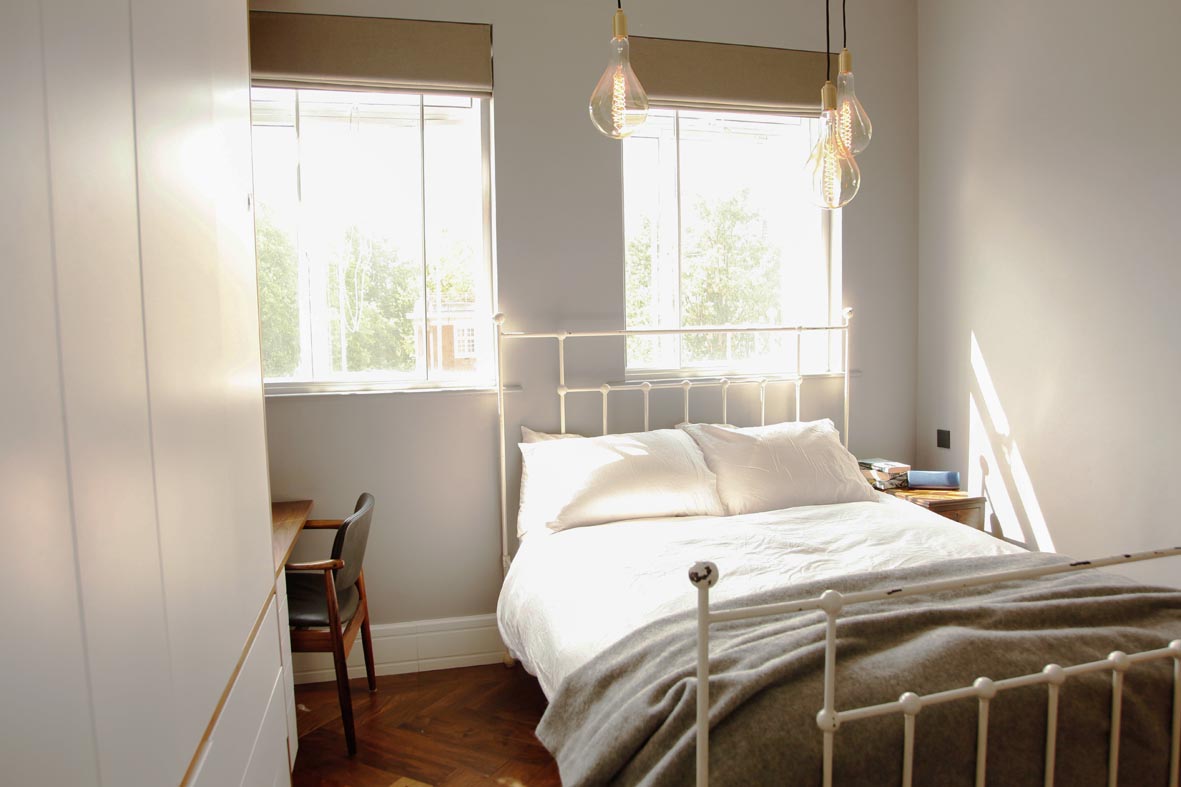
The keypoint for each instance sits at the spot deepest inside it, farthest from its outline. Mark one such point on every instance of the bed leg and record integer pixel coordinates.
(507, 660)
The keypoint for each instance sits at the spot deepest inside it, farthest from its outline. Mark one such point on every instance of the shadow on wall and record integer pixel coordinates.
(995, 467)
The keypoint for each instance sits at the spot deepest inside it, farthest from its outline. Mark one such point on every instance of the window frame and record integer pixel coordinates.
(480, 383)
(831, 228)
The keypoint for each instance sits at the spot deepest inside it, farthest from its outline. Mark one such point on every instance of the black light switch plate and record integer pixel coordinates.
(943, 438)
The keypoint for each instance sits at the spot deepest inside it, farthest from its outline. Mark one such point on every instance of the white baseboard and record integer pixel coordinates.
(417, 646)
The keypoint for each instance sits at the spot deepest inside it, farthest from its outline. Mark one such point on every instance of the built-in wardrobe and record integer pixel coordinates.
(142, 630)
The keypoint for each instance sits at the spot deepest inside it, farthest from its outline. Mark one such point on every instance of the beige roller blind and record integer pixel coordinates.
(353, 51)
(707, 75)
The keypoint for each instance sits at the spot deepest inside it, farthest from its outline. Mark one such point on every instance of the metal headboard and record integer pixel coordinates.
(794, 377)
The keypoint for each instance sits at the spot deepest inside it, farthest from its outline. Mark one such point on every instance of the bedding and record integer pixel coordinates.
(588, 481)
(570, 596)
(764, 468)
(628, 716)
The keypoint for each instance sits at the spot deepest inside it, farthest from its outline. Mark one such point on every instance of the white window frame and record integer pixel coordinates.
(486, 382)
(831, 227)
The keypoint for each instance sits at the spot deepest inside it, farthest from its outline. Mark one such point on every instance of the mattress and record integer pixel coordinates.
(572, 594)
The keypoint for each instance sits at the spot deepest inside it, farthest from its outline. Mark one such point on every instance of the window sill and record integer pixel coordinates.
(639, 375)
(288, 390)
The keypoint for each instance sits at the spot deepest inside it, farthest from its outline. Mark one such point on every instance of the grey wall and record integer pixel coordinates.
(1050, 185)
(430, 458)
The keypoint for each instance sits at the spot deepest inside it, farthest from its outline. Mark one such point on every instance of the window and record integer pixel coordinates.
(465, 341)
(720, 231)
(372, 232)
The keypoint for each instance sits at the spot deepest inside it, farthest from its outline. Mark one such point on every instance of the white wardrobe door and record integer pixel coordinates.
(96, 241)
(46, 735)
(201, 319)
(133, 486)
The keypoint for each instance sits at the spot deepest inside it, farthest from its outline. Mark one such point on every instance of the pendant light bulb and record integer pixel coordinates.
(619, 104)
(835, 176)
(856, 130)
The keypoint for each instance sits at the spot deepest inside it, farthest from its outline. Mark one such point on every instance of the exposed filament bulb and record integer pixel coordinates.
(855, 127)
(619, 105)
(834, 174)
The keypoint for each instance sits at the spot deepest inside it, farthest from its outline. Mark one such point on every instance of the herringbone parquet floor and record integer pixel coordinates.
(448, 728)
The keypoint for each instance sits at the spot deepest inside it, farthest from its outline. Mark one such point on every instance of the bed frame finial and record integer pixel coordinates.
(705, 573)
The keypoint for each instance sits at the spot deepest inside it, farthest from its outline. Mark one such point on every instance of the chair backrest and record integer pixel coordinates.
(351, 538)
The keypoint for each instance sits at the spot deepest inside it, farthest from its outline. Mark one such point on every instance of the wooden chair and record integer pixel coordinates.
(325, 612)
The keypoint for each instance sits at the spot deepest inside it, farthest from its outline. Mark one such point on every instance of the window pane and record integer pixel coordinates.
(458, 283)
(650, 227)
(374, 252)
(720, 231)
(276, 231)
(361, 225)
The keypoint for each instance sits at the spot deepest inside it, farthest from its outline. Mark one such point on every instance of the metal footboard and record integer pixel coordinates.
(829, 719)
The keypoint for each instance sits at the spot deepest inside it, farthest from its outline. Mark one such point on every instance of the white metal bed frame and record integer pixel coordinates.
(829, 719)
(705, 575)
(795, 377)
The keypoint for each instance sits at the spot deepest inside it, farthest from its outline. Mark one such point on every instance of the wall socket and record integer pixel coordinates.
(943, 438)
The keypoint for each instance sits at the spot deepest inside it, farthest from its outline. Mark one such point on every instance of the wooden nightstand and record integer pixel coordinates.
(960, 506)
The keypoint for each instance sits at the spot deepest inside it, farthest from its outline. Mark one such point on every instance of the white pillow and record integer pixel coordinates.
(531, 436)
(765, 468)
(592, 480)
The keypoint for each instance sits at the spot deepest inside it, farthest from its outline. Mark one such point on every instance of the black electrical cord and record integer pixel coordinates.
(827, 56)
(619, 4)
(844, 26)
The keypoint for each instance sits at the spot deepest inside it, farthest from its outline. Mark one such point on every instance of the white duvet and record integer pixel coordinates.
(571, 594)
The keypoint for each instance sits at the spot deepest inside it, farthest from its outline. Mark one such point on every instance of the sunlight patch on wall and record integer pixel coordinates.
(984, 477)
(995, 466)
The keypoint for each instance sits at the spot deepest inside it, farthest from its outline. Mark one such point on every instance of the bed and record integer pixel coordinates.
(637, 569)
(736, 682)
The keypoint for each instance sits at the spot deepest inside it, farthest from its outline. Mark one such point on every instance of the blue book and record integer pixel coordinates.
(933, 479)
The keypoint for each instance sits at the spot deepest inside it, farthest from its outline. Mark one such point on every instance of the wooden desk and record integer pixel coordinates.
(287, 519)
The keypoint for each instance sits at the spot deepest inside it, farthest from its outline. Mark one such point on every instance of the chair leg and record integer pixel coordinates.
(342, 667)
(366, 634)
(342, 688)
(367, 645)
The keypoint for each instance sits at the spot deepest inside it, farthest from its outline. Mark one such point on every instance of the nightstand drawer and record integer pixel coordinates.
(958, 506)
(971, 516)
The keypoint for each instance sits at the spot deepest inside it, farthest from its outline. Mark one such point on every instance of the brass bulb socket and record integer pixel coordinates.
(845, 62)
(828, 97)
(619, 24)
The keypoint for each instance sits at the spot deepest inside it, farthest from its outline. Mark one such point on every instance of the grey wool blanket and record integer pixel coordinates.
(628, 716)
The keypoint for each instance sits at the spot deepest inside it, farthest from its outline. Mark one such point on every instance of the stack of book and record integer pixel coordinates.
(884, 474)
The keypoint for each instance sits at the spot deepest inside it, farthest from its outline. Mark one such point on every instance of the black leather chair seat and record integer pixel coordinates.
(307, 606)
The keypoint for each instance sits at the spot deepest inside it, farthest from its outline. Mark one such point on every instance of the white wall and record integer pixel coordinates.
(133, 484)
(1050, 185)
(431, 458)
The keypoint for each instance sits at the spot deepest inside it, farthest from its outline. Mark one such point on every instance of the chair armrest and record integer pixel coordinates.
(319, 565)
(323, 524)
